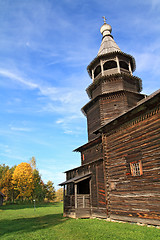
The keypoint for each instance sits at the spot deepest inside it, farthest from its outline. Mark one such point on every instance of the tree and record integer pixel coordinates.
(6, 186)
(59, 195)
(23, 181)
(33, 163)
(38, 191)
(49, 191)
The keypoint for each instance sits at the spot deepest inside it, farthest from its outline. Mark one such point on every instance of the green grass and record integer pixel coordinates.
(46, 222)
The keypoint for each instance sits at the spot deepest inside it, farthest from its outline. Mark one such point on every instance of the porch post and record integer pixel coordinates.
(64, 198)
(75, 192)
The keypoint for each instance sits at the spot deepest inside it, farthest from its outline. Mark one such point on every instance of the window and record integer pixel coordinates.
(124, 65)
(109, 65)
(97, 71)
(136, 168)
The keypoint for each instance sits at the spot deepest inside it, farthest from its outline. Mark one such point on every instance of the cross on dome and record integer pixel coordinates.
(104, 18)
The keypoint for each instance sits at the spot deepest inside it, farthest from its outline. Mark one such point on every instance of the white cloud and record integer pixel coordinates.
(60, 121)
(8, 74)
(52, 175)
(10, 155)
(20, 129)
(68, 131)
(5, 148)
(63, 95)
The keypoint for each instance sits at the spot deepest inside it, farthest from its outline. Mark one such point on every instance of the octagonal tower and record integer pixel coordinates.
(114, 89)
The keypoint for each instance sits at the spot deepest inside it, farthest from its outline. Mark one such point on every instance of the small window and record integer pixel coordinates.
(124, 65)
(136, 168)
(109, 65)
(97, 71)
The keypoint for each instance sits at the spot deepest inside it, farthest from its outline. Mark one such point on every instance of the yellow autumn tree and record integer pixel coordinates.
(6, 185)
(23, 181)
(59, 195)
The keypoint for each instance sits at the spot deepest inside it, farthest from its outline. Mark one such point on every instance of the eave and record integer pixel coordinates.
(90, 103)
(100, 79)
(88, 145)
(84, 165)
(76, 179)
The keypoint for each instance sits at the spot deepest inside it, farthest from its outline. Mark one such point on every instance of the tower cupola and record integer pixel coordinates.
(106, 29)
(110, 59)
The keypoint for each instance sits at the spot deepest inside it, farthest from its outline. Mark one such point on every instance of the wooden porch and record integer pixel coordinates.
(78, 207)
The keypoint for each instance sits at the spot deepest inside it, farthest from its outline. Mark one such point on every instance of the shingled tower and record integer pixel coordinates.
(114, 89)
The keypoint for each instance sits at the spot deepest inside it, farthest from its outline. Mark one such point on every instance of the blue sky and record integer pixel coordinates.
(45, 47)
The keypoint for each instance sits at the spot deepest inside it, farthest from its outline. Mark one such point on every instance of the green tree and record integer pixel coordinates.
(38, 191)
(50, 191)
(3, 169)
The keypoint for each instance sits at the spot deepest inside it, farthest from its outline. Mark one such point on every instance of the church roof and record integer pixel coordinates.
(84, 165)
(108, 44)
(76, 179)
(88, 144)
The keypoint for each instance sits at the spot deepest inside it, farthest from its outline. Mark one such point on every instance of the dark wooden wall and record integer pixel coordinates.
(93, 120)
(113, 105)
(91, 154)
(131, 197)
(117, 82)
(97, 91)
(132, 99)
(107, 107)
(98, 203)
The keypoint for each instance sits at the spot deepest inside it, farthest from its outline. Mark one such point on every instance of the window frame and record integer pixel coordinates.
(136, 168)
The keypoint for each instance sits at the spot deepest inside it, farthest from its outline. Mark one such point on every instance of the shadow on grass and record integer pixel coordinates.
(23, 225)
(27, 205)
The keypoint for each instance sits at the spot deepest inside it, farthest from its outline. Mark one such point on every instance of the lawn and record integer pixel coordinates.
(46, 222)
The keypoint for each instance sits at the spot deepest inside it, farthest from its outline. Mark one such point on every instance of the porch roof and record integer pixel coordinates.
(76, 179)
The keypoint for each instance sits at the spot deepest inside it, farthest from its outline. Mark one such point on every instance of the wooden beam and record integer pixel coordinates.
(75, 191)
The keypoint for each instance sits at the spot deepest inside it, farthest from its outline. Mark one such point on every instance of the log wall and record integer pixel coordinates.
(98, 203)
(134, 197)
(106, 84)
(113, 105)
(92, 153)
(93, 120)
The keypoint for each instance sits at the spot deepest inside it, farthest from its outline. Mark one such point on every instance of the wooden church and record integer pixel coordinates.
(119, 176)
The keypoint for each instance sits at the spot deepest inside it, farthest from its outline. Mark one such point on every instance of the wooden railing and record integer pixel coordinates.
(83, 201)
(69, 201)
